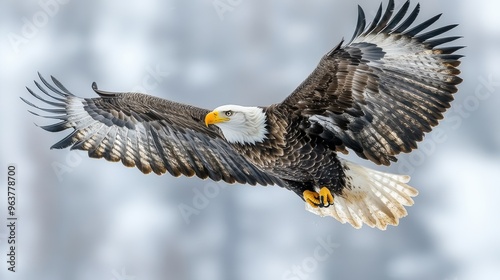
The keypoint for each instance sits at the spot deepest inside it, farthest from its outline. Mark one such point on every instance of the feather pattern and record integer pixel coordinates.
(381, 92)
(377, 96)
(153, 134)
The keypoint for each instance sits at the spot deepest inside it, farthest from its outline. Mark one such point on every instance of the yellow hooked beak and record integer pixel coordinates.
(214, 117)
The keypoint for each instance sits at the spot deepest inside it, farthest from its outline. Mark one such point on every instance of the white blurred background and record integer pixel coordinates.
(82, 218)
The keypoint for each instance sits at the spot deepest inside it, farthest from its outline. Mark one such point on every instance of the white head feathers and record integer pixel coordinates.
(245, 125)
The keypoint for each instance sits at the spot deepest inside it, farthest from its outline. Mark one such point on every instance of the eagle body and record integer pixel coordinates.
(303, 162)
(376, 96)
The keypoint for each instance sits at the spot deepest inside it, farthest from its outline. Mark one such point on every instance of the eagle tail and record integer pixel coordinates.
(371, 197)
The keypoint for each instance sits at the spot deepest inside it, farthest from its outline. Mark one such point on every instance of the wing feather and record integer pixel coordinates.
(375, 21)
(385, 18)
(381, 92)
(360, 26)
(397, 18)
(408, 21)
(419, 28)
(153, 134)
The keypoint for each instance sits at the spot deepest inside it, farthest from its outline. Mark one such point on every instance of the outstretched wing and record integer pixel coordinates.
(148, 132)
(381, 92)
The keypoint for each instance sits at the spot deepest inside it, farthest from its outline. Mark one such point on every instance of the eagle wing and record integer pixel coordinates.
(148, 132)
(381, 92)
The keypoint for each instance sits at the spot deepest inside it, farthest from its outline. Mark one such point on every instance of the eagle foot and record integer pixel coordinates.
(311, 197)
(325, 197)
(322, 199)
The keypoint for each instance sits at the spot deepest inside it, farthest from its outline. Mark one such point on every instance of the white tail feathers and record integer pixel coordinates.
(371, 197)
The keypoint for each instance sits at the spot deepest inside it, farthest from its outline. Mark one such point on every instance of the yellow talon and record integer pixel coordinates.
(322, 199)
(312, 198)
(325, 197)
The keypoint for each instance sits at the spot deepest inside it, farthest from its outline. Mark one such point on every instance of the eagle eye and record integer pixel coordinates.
(228, 113)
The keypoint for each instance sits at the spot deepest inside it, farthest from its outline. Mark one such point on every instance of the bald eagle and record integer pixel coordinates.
(376, 95)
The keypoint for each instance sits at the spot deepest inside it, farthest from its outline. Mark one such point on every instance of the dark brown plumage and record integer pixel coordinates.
(148, 132)
(377, 95)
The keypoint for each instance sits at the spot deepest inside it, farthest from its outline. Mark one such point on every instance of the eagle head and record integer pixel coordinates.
(239, 124)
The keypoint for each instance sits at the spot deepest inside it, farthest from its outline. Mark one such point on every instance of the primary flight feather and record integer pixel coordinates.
(376, 95)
